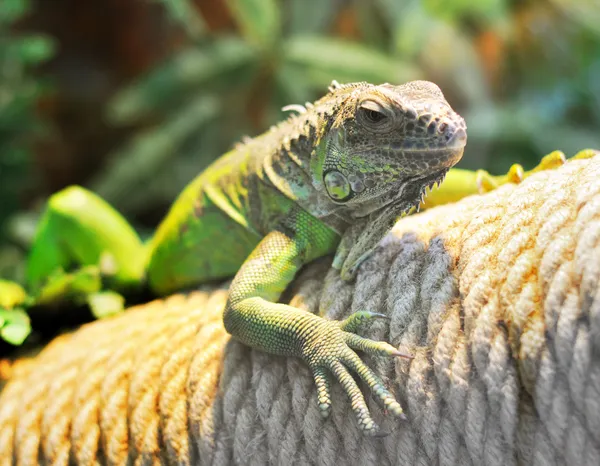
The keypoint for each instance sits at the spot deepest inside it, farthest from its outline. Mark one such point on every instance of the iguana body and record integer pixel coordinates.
(285, 198)
(332, 179)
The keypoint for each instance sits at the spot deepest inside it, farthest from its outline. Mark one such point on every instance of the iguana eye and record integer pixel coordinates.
(374, 116)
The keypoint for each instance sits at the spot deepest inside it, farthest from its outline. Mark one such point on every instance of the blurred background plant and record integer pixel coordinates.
(19, 92)
(145, 93)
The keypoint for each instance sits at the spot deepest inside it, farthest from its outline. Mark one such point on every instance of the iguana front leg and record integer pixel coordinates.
(254, 317)
(360, 239)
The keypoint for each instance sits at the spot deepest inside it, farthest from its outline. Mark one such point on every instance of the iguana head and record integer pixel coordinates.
(386, 144)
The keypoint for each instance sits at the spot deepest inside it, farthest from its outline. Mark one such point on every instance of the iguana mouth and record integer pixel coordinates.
(416, 189)
(410, 194)
(430, 182)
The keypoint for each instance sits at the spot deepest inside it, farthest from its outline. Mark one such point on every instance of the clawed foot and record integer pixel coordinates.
(331, 349)
(516, 173)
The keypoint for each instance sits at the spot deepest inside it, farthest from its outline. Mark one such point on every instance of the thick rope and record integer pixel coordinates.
(497, 297)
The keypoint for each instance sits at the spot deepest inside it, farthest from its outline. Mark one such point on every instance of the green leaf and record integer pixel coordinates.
(185, 13)
(193, 156)
(585, 12)
(70, 286)
(15, 325)
(489, 10)
(11, 294)
(12, 10)
(105, 303)
(324, 59)
(448, 52)
(410, 24)
(193, 68)
(308, 16)
(138, 162)
(370, 21)
(12, 262)
(259, 20)
(292, 85)
(35, 49)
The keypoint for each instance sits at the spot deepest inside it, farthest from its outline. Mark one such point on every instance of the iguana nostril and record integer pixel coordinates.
(443, 127)
(424, 119)
(457, 138)
(461, 135)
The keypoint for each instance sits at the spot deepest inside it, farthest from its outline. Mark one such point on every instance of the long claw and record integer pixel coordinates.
(380, 316)
(400, 354)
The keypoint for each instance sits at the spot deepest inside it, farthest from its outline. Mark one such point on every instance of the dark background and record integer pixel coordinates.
(132, 98)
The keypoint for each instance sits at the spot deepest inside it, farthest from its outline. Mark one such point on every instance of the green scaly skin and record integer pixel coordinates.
(331, 179)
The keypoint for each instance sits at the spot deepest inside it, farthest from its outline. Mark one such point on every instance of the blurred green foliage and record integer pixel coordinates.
(19, 91)
(524, 74)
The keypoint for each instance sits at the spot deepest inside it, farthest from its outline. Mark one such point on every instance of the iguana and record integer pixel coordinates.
(332, 178)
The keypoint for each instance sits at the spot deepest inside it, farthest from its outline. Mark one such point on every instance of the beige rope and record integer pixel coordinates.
(497, 297)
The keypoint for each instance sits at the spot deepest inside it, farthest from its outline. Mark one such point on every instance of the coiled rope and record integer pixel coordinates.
(497, 297)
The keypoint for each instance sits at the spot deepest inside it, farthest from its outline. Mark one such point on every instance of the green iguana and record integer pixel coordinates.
(332, 178)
